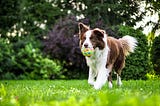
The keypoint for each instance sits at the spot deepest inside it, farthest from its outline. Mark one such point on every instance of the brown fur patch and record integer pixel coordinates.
(116, 56)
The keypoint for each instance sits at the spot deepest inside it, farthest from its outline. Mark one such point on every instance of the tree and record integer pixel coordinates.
(153, 6)
(111, 12)
(31, 16)
(9, 12)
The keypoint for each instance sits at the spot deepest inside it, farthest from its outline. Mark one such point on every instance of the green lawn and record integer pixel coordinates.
(78, 93)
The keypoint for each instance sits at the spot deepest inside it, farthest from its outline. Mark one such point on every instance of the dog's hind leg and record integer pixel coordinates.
(119, 65)
(110, 75)
(110, 80)
(119, 82)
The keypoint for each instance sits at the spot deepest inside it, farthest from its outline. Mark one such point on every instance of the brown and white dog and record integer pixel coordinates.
(108, 53)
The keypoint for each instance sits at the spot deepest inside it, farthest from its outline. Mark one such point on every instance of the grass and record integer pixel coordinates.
(78, 93)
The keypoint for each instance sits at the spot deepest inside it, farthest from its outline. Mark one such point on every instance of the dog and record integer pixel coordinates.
(108, 53)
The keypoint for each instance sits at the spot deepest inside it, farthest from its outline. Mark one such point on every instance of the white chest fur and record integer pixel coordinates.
(98, 60)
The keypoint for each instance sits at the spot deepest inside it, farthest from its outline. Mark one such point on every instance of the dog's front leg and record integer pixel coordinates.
(101, 78)
(91, 76)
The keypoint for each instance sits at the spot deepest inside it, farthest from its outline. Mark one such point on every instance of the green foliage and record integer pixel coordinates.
(9, 12)
(23, 24)
(2, 91)
(152, 76)
(153, 6)
(78, 93)
(137, 64)
(111, 12)
(6, 52)
(29, 15)
(31, 61)
(155, 55)
(24, 60)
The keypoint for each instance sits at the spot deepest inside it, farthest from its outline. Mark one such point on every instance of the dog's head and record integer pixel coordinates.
(91, 38)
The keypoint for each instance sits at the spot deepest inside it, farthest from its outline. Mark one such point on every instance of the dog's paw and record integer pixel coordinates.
(110, 84)
(90, 82)
(97, 86)
(119, 84)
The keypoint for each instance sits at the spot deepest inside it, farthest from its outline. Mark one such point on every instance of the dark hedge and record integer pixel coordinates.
(155, 55)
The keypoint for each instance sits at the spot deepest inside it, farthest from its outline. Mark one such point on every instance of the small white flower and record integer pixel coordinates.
(35, 22)
(42, 26)
(24, 22)
(15, 31)
(19, 34)
(8, 34)
(21, 29)
(13, 34)
(33, 50)
(45, 21)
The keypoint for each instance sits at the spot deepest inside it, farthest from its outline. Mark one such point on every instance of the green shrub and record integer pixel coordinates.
(155, 55)
(24, 60)
(33, 64)
(6, 58)
(137, 63)
(152, 76)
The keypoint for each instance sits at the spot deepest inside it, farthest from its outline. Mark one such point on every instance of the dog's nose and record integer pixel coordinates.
(86, 45)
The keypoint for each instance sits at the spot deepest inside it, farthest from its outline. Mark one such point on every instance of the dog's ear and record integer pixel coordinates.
(100, 33)
(82, 29)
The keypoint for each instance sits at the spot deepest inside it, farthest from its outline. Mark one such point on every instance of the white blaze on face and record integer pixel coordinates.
(87, 40)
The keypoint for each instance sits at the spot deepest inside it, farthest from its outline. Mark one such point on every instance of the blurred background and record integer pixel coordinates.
(38, 38)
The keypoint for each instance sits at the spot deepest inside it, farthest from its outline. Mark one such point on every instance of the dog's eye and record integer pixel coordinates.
(93, 38)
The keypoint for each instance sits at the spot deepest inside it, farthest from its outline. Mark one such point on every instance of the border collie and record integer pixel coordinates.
(108, 53)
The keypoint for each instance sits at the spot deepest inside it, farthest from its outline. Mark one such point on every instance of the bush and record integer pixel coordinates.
(155, 55)
(6, 59)
(63, 44)
(32, 63)
(24, 60)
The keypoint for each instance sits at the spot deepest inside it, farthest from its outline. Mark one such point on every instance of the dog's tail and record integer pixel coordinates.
(129, 44)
